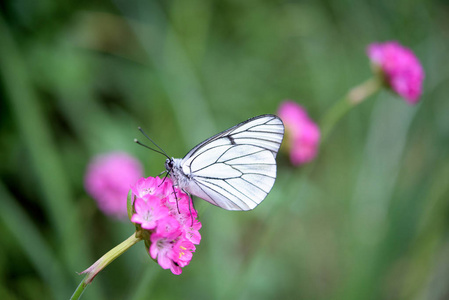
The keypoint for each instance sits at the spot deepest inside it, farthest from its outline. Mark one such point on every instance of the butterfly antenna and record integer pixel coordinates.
(141, 130)
(139, 143)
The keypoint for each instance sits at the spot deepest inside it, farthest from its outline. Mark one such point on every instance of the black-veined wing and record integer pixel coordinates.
(236, 168)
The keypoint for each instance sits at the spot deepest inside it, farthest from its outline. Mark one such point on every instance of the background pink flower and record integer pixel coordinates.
(302, 134)
(108, 179)
(400, 67)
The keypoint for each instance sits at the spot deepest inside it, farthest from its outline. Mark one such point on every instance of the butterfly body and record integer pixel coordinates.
(173, 166)
(234, 169)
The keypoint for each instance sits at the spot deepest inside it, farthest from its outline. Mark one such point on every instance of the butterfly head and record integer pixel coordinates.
(169, 162)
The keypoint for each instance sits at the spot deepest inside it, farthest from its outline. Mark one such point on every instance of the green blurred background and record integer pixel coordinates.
(368, 219)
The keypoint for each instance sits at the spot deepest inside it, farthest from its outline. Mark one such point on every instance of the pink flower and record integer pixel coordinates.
(192, 233)
(302, 134)
(108, 179)
(152, 186)
(148, 211)
(182, 252)
(178, 200)
(167, 226)
(401, 69)
(166, 215)
(162, 249)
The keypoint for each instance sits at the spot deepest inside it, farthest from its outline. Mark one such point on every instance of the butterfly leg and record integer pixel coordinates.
(176, 197)
(174, 191)
(165, 177)
(193, 205)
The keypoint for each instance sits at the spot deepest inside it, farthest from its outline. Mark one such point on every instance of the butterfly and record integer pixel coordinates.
(234, 169)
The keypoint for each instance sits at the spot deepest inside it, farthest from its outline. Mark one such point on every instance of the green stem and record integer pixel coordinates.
(105, 260)
(80, 289)
(354, 97)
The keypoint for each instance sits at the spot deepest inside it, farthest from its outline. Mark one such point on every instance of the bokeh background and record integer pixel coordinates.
(368, 219)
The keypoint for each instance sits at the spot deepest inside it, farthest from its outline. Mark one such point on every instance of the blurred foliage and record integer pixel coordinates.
(367, 220)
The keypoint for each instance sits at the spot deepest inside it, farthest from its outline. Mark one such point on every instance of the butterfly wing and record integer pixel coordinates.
(236, 168)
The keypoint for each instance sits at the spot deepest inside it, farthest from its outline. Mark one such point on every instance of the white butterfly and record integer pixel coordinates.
(235, 169)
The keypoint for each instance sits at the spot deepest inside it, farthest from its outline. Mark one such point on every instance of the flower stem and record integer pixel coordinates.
(105, 260)
(80, 289)
(350, 100)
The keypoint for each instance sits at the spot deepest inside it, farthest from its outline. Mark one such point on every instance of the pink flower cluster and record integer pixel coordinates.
(169, 218)
(400, 67)
(302, 134)
(108, 179)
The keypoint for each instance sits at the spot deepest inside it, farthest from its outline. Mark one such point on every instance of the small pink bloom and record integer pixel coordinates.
(192, 233)
(182, 252)
(400, 67)
(162, 249)
(180, 205)
(148, 211)
(152, 186)
(167, 225)
(302, 134)
(108, 179)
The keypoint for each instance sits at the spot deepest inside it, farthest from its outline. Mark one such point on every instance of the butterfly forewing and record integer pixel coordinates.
(236, 168)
